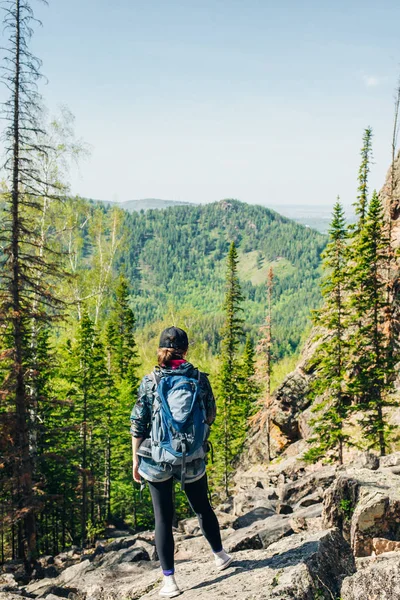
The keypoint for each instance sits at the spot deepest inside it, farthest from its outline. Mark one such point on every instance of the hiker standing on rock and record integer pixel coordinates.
(170, 425)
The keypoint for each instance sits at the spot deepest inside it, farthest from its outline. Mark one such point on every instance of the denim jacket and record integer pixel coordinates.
(141, 417)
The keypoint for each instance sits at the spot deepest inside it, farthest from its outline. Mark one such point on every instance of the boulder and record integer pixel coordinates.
(118, 544)
(364, 505)
(382, 545)
(112, 532)
(126, 555)
(310, 566)
(257, 514)
(189, 526)
(377, 580)
(7, 583)
(301, 567)
(259, 535)
(391, 460)
(314, 498)
(246, 501)
(307, 519)
(366, 460)
(292, 493)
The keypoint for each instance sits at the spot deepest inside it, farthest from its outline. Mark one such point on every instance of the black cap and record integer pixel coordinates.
(173, 337)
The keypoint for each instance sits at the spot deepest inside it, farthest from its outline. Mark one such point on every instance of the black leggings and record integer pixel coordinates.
(196, 492)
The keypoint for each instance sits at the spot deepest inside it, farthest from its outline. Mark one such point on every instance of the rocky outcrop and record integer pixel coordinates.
(302, 567)
(364, 505)
(290, 411)
(378, 579)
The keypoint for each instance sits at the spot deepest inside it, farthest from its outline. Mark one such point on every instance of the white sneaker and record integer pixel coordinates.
(170, 588)
(222, 560)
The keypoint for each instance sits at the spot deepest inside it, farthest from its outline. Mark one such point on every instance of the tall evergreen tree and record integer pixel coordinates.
(122, 364)
(25, 299)
(121, 344)
(361, 205)
(250, 386)
(372, 382)
(330, 357)
(229, 389)
(90, 389)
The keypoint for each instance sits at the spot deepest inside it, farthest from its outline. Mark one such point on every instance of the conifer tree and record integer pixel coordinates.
(24, 298)
(121, 342)
(122, 364)
(361, 205)
(355, 232)
(90, 391)
(329, 358)
(372, 382)
(250, 386)
(229, 392)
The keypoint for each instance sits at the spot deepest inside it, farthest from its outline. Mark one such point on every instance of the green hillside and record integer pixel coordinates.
(176, 258)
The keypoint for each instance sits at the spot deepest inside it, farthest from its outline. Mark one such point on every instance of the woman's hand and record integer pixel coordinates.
(135, 471)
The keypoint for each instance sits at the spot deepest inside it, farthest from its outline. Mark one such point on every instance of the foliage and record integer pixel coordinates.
(329, 358)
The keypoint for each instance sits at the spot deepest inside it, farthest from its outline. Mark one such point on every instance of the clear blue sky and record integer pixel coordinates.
(199, 100)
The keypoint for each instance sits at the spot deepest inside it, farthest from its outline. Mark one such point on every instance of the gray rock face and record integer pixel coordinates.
(292, 493)
(364, 505)
(249, 500)
(257, 514)
(379, 579)
(391, 460)
(259, 535)
(300, 568)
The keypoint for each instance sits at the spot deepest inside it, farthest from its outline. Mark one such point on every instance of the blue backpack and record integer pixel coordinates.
(179, 429)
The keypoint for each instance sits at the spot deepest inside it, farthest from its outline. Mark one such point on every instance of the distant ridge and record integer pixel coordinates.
(313, 216)
(145, 204)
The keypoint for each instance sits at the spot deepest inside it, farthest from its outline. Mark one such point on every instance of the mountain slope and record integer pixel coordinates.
(177, 257)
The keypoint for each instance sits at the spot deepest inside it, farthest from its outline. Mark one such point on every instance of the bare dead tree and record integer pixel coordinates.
(264, 347)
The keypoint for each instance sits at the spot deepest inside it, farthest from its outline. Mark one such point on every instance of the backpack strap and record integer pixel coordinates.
(155, 378)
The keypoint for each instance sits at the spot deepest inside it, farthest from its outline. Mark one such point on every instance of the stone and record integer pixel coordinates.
(366, 460)
(382, 545)
(244, 502)
(378, 579)
(314, 498)
(120, 544)
(112, 532)
(292, 493)
(257, 514)
(391, 460)
(259, 535)
(126, 555)
(7, 582)
(189, 526)
(364, 505)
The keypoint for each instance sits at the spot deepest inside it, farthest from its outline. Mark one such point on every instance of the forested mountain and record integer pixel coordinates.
(144, 204)
(176, 257)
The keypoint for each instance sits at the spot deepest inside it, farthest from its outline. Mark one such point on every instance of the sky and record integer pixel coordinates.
(199, 100)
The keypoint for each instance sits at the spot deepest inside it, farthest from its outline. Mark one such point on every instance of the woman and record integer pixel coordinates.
(172, 362)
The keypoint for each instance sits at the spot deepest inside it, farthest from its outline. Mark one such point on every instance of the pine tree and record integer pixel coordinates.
(355, 233)
(121, 344)
(361, 205)
(229, 393)
(250, 387)
(122, 364)
(25, 299)
(372, 382)
(90, 393)
(329, 358)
